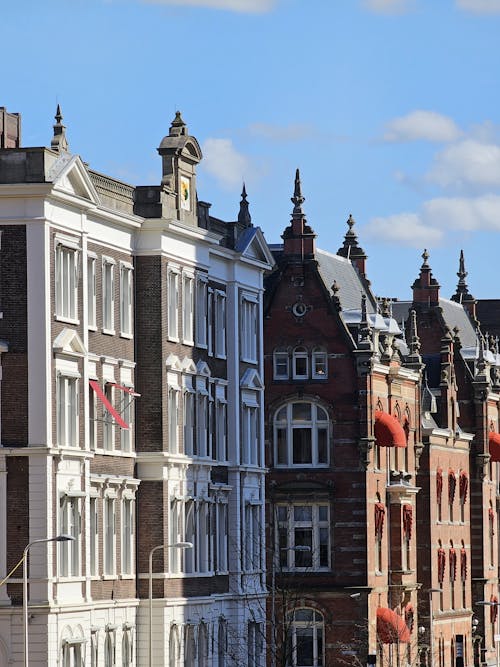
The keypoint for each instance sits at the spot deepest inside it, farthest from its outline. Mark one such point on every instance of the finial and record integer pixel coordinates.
(462, 273)
(297, 198)
(425, 257)
(350, 248)
(244, 216)
(462, 293)
(59, 141)
(365, 330)
(351, 222)
(178, 127)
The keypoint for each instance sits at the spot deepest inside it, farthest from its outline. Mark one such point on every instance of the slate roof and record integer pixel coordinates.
(333, 268)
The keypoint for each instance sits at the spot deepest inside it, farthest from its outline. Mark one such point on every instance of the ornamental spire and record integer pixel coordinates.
(351, 249)
(59, 141)
(297, 198)
(244, 216)
(462, 293)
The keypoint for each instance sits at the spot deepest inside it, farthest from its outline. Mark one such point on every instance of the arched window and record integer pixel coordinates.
(126, 650)
(306, 646)
(202, 645)
(300, 364)
(221, 642)
(281, 364)
(109, 650)
(173, 647)
(301, 435)
(189, 647)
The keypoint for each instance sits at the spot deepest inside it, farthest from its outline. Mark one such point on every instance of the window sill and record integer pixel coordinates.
(128, 336)
(108, 332)
(188, 342)
(126, 577)
(114, 452)
(69, 579)
(173, 339)
(109, 577)
(245, 360)
(68, 320)
(92, 328)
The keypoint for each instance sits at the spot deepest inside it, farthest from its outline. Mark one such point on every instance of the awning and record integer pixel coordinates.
(114, 413)
(388, 431)
(127, 390)
(494, 441)
(391, 628)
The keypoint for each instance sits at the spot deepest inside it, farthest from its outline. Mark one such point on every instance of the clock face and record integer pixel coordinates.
(185, 193)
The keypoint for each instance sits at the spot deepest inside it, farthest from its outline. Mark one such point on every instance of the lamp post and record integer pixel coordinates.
(177, 545)
(431, 624)
(489, 603)
(298, 548)
(59, 538)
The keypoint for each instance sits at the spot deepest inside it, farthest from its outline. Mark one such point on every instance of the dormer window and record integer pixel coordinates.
(300, 363)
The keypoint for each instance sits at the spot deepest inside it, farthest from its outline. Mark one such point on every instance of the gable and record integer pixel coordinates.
(71, 177)
(252, 245)
(69, 342)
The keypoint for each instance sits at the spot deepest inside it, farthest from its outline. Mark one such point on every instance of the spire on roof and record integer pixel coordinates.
(59, 141)
(297, 198)
(365, 330)
(462, 293)
(426, 287)
(351, 249)
(178, 127)
(244, 216)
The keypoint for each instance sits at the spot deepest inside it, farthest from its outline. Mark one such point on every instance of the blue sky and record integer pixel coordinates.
(390, 108)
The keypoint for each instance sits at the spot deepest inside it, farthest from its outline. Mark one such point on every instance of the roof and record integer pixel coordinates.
(333, 268)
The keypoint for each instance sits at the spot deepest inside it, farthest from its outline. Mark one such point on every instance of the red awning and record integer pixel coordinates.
(388, 431)
(494, 439)
(127, 390)
(391, 628)
(114, 413)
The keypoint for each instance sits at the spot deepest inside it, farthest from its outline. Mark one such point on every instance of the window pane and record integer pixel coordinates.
(302, 513)
(281, 445)
(323, 547)
(301, 366)
(323, 513)
(302, 446)
(301, 412)
(305, 647)
(281, 415)
(322, 445)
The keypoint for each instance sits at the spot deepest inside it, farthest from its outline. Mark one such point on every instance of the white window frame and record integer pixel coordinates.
(220, 530)
(249, 327)
(108, 295)
(319, 364)
(289, 525)
(300, 353)
(253, 538)
(189, 425)
(127, 535)
(69, 524)
(91, 292)
(92, 421)
(66, 281)
(68, 409)
(254, 643)
(127, 414)
(287, 426)
(94, 536)
(110, 649)
(220, 324)
(250, 428)
(173, 304)
(201, 444)
(108, 422)
(210, 322)
(109, 535)
(221, 423)
(316, 627)
(188, 286)
(126, 300)
(173, 419)
(201, 313)
(281, 364)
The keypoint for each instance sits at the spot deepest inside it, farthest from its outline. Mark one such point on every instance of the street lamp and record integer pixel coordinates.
(431, 623)
(299, 548)
(177, 545)
(59, 538)
(490, 603)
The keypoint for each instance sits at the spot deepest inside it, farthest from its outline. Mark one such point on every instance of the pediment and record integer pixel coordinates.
(252, 245)
(202, 368)
(173, 362)
(72, 178)
(188, 365)
(69, 342)
(251, 380)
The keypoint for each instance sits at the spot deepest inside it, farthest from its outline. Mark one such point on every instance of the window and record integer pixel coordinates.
(172, 304)
(210, 321)
(252, 542)
(301, 435)
(220, 323)
(201, 311)
(189, 647)
(92, 419)
(219, 529)
(109, 536)
(221, 423)
(187, 309)
(255, 642)
(127, 414)
(127, 545)
(71, 653)
(108, 426)
(69, 524)
(67, 411)
(300, 364)
(94, 649)
(306, 639)
(173, 647)
(250, 428)
(91, 293)
(248, 328)
(108, 296)
(67, 283)
(94, 537)
(222, 643)
(126, 649)
(126, 300)
(281, 369)
(189, 422)
(202, 645)
(109, 649)
(201, 423)
(173, 420)
(176, 534)
(303, 536)
(319, 364)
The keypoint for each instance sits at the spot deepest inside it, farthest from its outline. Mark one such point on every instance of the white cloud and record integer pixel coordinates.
(422, 125)
(467, 163)
(406, 229)
(480, 6)
(438, 217)
(242, 6)
(291, 132)
(388, 6)
(222, 161)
